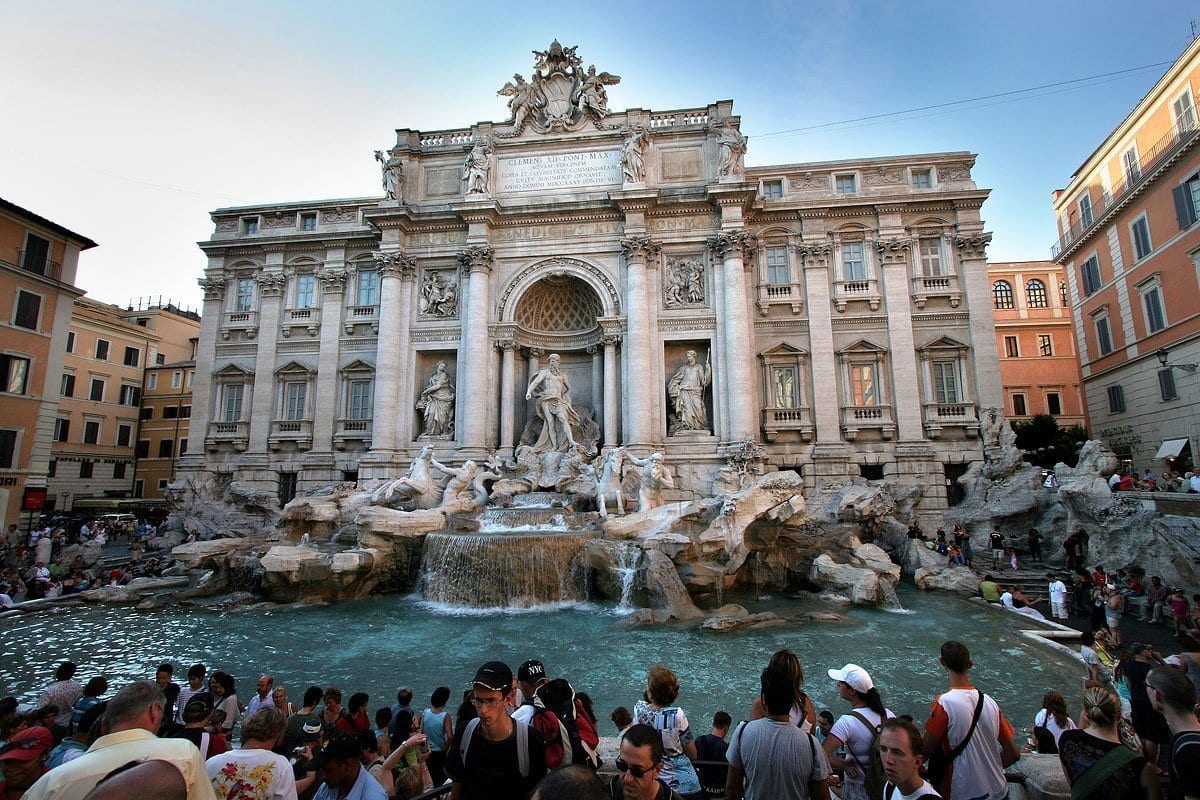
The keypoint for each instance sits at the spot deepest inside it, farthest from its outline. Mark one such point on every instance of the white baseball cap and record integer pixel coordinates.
(855, 676)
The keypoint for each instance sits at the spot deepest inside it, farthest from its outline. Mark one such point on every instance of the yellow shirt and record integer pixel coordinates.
(73, 780)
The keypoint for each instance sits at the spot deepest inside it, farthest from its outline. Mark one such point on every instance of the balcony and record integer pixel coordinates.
(927, 286)
(352, 430)
(775, 420)
(1149, 161)
(37, 264)
(857, 418)
(245, 322)
(362, 315)
(308, 319)
(866, 290)
(295, 431)
(950, 415)
(790, 294)
(234, 434)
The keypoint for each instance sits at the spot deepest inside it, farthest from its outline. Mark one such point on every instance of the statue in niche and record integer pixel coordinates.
(686, 284)
(523, 99)
(656, 476)
(686, 389)
(392, 169)
(419, 489)
(436, 404)
(731, 146)
(478, 166)
(439, 293)
(633, 155)
(554, 407)
(591, 95)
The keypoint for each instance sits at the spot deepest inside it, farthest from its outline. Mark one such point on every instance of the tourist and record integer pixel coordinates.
(989, 590)
(1156, 600)
(279, 699)
(621, 718)
(1015, 600)
(485, 760)
(86, 733)
(253, 771)
(771, 757)
(939, 542)
(1097, 764)
(996, 543)
(712, 747)
(574, 782)
(91, 696)
(856, 730)
(1034, 541)
(1148, 723)
(531, 676)
(963, 539)
(170, 689)
(1058, 596)
(466, 710)
(404, 698)
(409, 757)
(976, 764)
(639, 766)
(196, 716)
(1096, 670)
(1050, 722)
(356, 718)
(262, 695)
(824, 725)
(293, 732)
(439, 732)
(1114, 606)
(345, 776)
(130, 721)
(226, 709)
(331, 715)
(1189, 656)
(1178, 603)
(902, 757)
(63, 693)
(383, 723)
(804, 713)
(659, 711)
(23, 761)
(1174, 696)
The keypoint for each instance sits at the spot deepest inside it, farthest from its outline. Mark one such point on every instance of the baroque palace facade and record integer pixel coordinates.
(837, 313)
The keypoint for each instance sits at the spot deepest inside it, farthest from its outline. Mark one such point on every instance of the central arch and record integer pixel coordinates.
(590, 274)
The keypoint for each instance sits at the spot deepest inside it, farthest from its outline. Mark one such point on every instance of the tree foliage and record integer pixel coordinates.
(1045, 443)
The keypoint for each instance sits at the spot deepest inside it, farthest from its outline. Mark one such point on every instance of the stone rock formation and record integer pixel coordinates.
(866, 575)
(210, 505)
(731, 617)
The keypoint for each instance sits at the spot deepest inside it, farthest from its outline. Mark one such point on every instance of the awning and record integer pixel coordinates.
(1170, 448)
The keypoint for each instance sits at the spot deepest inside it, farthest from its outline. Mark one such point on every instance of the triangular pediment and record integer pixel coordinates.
(358, 365)
(233, 371)
(863, 346)
(294, 368)
(783, 349)
(943, 343)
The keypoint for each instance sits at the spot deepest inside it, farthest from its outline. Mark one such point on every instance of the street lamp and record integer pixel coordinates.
(1162, 359)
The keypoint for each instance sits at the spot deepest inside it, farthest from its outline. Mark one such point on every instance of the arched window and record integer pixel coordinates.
(1035, 294)
(1002, 294)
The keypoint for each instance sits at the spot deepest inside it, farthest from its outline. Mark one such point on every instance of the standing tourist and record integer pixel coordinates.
(900, 751)
(63, 693)
(713, 746)
(439, 732)
(1050, 723)
(803, 713)
(225, 701)
(855, 731)
(195, 685)
(1174, 696)
(1097, 764)
(639, 765)
(1148, 722)
(253, 772)
(996, 543)
(170, 689)
(293, 732)
(660, 712)
(262, 696)
(23, 761)
(345, 776)
(1058, 596)
(196, 715)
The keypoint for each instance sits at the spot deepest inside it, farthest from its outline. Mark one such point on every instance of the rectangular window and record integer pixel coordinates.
(191, 373)
(772, 190)
(922, 179)
(1141, 237)
(165, 448)
(250, 225)
(124, 435)
(1116, 399)
(777, 266)
(244, 295)
(152, 380)
(931, 257)
(183, 447)
(8, 448)
(305, 285)
(161, 359)
(70, 341)
(14, 374)
(1185, 113)
(29, 306)
(132, 356)
(1166, 384)
(1152, 301)
(62, 429)
(1090, 272)
(231, 402)
(360, 400)
(845, 184)
(176, 379)
(1011, 347)
(91, 432)
(1054, 403)
(68, 386)
(185, 412)
(36, 256)
(864, 388)
(143, 449)
(854, 264)
(1045, 344)
(147, 412)
(1133, 167)
(368, 288)
(1187, 201)
(85, 468)
(96, 394)
(783, 380)
(308, 222)
(170, 412)
(101, 350)
(1085, 210)
(130, 395)
(945, 381)
(119, 469)
(1103, 335)
(53, 470)
(294, 396)
(1018, 403)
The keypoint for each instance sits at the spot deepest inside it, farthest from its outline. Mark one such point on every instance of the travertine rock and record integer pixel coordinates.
(733, 617)
(664, 590)
(867, 575)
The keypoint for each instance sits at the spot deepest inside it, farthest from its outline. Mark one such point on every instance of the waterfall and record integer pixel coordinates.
(720, 587)
(627, 568)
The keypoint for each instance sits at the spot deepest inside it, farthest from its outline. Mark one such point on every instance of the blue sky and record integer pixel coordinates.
(129, 121)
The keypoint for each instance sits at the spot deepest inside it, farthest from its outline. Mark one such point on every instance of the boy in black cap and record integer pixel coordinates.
(494, 757)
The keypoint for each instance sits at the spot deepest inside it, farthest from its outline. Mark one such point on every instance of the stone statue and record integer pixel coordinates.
(554, 407)
(686, 284)
(656, 476)
(523, 99)
(608, 481)
(392, 169)
(459, 494)
(419, 487)
(439, 294)
(436, 404)
(591, 97)
(633, 155)
(478, 166)
(686, 389)
(491, 473)
(731, 146)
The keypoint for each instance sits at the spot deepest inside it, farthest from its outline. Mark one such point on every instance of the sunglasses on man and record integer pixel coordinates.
(638, 772)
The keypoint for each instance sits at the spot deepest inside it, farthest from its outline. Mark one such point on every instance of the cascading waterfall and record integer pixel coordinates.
(627, 569)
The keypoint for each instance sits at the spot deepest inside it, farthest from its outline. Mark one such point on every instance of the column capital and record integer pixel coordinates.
(507, 344)
(271, 284)
(333, 281)
(214, 289)
(610, 339)
(894, 250)
(973, 246)
(395, 264)
(640, 247)
(477, 258)
(731, 241)
(815, 254)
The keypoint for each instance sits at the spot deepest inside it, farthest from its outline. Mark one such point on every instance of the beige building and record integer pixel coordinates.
(839, 312)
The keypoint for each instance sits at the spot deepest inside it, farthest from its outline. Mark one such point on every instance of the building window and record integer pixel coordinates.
(1133, 167)
(772, 190)
(1045, 344)
(783, 385)
(124, 435)
(52, 470)
(249, 225)
(147, 412)
(1185, 113)
(1011, 348)
(160, 359)
(1035, 294)
(931, 257)
(845, 184)
(14, 374)
(1187, 200)
(152, 380)
(119, 469)
(130, 395)
(132, 356)
(305, 286)
(91, 432)
(1018, 404)
(864, 384)
(368, 288)
(1116, 399)
(170, 412)
(1090, 271)
(1152, 303)
(165, 448)
(1103, 334)
(1063, 298)
(777, 266)
(1002, 294)
(287, 487)
(1085, 210)
(185, 412)
(70, 341)
(8, 448)
(308, 222)
(68, 386)
(231, 402)
(176, 379)
(29, 306)
(1166, 384)
(922, 179)
(36, 256)
(162, 484)
(143, 449)
(854, 263)
(945, 382)
(85, 468)
(1140, 230)
(183, 447)
(1054, 403)
(102, 350)
(191, 373)
(359, 405)
(243, 299)
(96, 394)
(295, 394)
(62, 429)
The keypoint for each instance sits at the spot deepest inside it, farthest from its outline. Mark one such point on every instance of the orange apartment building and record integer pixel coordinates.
(38, 263)
(1035, 337)
(1130, 245)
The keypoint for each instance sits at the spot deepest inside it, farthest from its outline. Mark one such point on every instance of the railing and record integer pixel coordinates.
(678, 118)
(441, 138)
(352, 430)
(300, 316)
(845, 291)
(789, 293)
(777, 419)
(1148, 161)
(291, 430)
(362, 313)
(926, 286)
(855, 418)
(241, 319)
(234, 433)
(44, 266)
(941, 415)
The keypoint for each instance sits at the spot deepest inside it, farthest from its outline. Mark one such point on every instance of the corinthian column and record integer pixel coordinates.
(906, 398)
(473, 354)
(333, 284)
(816, 257)
(637, 411)
(508, 382)
(262, 409)
(972, 261)
(737, 335)
(395, 271)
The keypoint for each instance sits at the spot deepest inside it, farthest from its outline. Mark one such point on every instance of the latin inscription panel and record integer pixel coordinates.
(559, 171)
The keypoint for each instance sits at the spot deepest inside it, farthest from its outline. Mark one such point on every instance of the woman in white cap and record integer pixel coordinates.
(855, 731)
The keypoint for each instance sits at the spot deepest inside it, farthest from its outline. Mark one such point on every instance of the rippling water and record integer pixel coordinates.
(379, 644)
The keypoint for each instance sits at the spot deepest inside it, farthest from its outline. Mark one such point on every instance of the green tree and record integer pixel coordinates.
(1045, 444)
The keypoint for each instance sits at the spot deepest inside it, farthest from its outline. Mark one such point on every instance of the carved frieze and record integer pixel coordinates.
(279, 219)
(808, 181)
(684, 284)
(733, 241)
(227, 226)
(569, 230)
(883, 176)
(433, 238)
(439, 293)
(954, 172)
(694, 222)
(680, 324)
(339, 214)
(974, 246)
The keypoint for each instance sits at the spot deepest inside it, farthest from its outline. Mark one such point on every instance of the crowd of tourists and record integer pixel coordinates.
(528, 735)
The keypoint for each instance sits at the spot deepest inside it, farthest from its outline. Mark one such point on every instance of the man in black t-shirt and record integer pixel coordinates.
(712, 747)
(996, 543)
(494, 757)
(1174, 696)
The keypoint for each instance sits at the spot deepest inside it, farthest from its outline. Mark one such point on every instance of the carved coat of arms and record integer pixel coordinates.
(560, 96)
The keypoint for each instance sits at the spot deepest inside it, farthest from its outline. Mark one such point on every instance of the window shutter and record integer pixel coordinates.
(1185, 213)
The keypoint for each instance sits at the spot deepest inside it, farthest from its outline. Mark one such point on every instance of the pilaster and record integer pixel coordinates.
(333, 286)
(639, 350)
(396, 271)
(474, 377)
(972, 261)
(271, 286)
(894, 260)
(731, 247)
(816, 258)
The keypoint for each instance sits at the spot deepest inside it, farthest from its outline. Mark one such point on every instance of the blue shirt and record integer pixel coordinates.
(365, 788)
